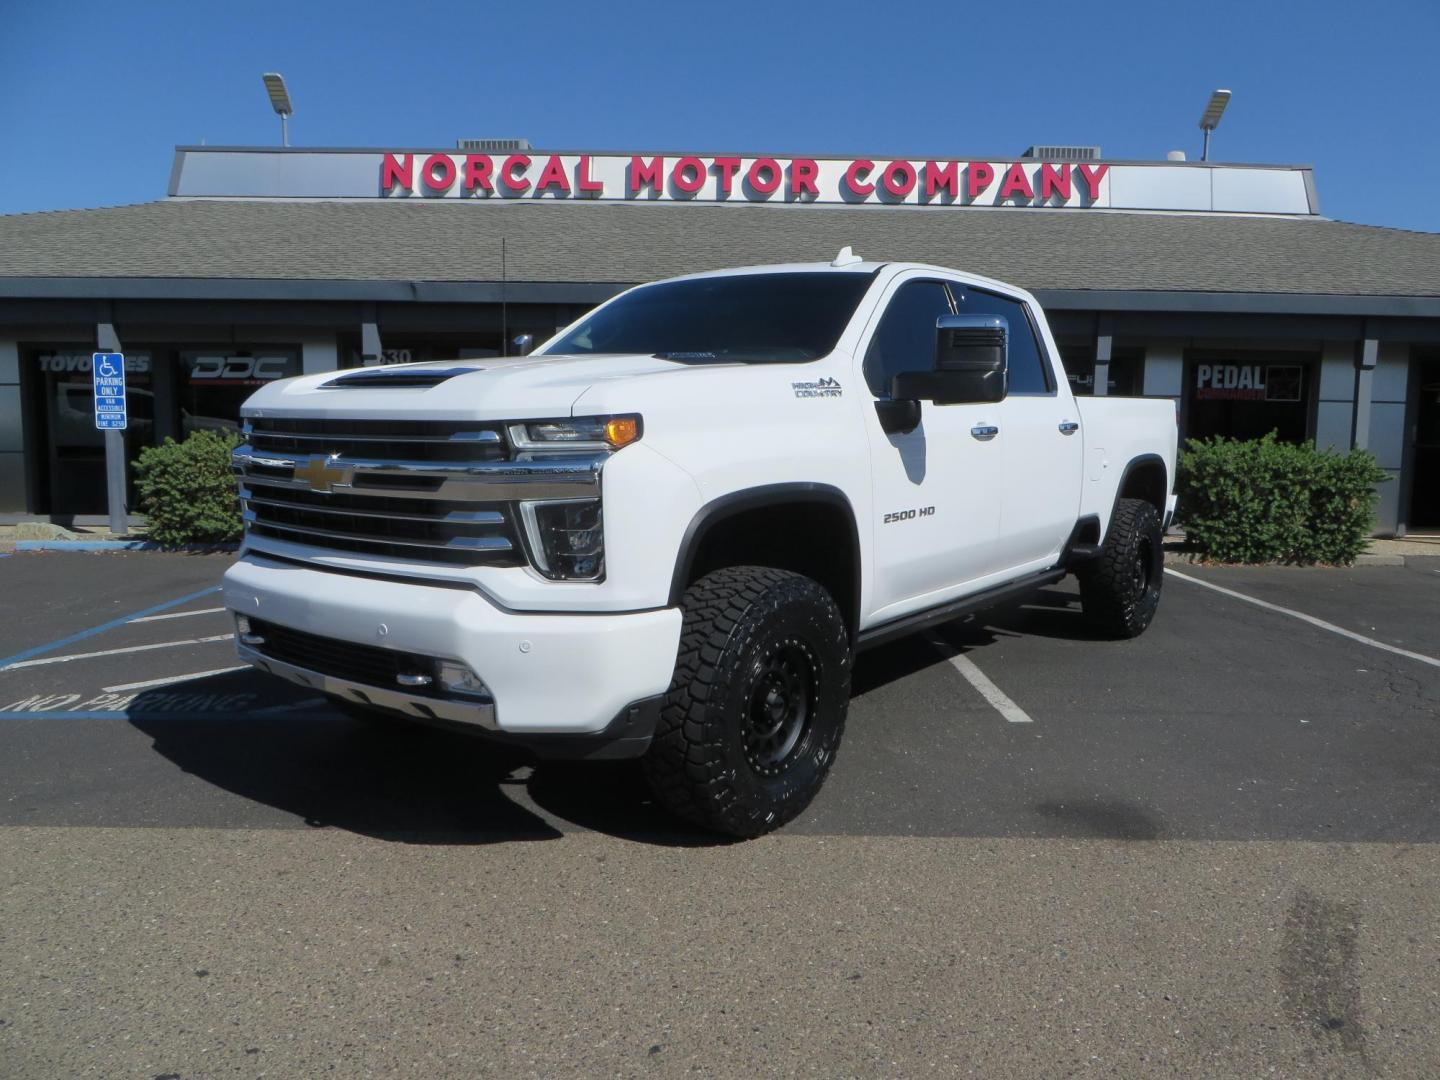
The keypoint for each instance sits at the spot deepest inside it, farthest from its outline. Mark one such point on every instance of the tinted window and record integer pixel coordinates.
(1028, 366)
(752, 318)
(905, 338)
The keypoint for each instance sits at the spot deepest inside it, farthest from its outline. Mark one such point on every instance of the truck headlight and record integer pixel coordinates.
(567, 539)
(576, 433)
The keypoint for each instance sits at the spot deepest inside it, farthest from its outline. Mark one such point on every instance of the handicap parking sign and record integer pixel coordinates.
(108, 372)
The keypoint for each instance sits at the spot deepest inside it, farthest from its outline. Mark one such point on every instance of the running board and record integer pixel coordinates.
(909, 624)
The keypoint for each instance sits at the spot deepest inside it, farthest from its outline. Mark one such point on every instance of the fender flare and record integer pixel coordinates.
(737, 502)
(1136, 463)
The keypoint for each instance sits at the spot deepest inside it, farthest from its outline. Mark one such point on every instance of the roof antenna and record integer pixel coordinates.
(847, 257)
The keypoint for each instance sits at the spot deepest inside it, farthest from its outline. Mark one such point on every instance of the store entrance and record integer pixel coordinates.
(73, 466)
(1425, 473)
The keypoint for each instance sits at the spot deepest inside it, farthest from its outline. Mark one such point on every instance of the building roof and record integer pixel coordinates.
(454, 241)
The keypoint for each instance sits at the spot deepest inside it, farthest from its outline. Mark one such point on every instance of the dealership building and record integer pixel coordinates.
(1219, 286)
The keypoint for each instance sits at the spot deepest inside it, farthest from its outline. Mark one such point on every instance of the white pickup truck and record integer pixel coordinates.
(666, 533)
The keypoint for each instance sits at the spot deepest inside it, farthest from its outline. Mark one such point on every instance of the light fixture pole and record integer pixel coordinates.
(1210, 118)
(280, 102)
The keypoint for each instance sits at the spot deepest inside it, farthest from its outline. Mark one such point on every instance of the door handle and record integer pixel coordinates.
(1068, 427)
(984, 432)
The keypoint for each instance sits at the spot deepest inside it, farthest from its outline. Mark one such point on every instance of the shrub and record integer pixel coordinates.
(187, 490)
(1268, 501)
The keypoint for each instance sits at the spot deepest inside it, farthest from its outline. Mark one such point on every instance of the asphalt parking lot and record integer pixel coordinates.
(1209, 851)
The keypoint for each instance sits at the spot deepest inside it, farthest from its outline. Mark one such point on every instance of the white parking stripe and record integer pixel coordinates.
(179, 614)
(981, 682)
(117, 652)
(1311, 619)
(171, 679)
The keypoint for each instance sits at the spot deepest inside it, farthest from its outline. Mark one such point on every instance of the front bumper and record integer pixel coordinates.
(549, 674)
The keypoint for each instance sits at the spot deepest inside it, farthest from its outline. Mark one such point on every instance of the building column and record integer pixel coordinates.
(12, 432)
(1367, 356)
(1104, 343)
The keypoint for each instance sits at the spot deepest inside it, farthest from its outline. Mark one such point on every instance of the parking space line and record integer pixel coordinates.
(170, 679)
(1311, 619)
(972, 674)
(39, 649)
(179, 614)
(117, 652)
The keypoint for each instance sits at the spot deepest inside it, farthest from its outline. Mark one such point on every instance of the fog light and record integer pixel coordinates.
(457, 678)
(246, 635)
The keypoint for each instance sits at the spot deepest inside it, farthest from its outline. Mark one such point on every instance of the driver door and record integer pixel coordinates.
(935, 490)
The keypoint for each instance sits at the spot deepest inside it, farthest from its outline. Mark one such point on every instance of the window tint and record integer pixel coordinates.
(1028, 367)
(749, 318)
(905, 338)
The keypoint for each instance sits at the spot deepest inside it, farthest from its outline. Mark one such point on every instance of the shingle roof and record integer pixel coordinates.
(567, 242)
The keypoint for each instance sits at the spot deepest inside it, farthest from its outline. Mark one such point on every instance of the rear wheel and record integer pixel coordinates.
(1121, 589)
(757, 706)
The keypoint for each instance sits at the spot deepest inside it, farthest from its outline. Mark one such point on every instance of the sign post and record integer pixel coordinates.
(108, 372)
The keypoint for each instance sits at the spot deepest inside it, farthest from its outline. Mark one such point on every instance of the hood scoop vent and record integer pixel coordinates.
(386, 378)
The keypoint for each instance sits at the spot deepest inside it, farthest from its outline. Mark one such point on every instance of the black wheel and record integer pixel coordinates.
(1121, 589)
(755, 711)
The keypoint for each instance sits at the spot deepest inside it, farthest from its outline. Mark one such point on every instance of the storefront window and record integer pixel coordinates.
(1248, 396)
(214, 383)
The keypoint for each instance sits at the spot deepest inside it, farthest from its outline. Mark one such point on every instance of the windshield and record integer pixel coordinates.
(746, 318)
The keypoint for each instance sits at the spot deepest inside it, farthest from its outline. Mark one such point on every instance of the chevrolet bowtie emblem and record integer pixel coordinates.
(323, 474)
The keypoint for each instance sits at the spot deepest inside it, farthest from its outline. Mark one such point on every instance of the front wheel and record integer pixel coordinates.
(1121, 589)
(757, 705)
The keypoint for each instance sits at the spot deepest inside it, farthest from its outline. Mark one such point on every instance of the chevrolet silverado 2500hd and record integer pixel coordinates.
(667, 532)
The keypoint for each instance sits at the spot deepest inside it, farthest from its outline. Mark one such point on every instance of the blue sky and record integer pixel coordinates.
(94, 96)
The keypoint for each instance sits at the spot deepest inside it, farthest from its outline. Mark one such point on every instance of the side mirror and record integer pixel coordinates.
(523, 344)
(970, 356)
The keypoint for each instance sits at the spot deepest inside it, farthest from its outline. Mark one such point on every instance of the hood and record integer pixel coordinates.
(515, 387)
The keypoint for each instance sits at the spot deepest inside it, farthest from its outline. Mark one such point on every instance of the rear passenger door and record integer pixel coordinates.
(1039, 426)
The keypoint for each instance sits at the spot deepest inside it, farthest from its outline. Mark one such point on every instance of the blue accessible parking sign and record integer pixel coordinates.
(108, 371)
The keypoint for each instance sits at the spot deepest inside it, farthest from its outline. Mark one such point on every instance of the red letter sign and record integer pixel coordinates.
(401, 171)
(477, 172)
(855, 173)
(553, 175)
(1055, 181)
(726, 167)
(899, 178)
(938, 176)
(771, 168)
(979, 176)
(1092, 179)
(688, 176)
(803, 172)
(445, 164)
(510, 172)
(1016, 183)
(585, 184)
(642, 174)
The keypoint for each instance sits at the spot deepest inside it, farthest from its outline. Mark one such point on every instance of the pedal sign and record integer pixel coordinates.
(108, 369)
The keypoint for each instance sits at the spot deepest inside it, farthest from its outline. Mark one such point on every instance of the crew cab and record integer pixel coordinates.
(666, 533)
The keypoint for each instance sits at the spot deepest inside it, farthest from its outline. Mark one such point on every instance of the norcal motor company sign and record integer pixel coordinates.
(691, 178)
(423, 175)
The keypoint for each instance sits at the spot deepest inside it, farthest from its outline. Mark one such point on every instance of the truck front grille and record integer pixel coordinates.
(437, 491)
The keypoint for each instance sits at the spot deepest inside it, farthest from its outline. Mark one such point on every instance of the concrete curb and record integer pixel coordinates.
(1185, 558)
(120, 545)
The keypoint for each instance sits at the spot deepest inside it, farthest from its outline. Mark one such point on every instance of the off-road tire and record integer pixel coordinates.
(755, 641)
(1120, 590)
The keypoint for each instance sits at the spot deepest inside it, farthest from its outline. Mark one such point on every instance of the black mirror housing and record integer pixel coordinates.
(970, 359)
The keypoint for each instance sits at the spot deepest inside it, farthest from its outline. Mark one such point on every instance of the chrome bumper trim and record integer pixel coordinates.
(422, 708)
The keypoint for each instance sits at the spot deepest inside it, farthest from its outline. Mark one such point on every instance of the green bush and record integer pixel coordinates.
(1268, 501)
(187, 490)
